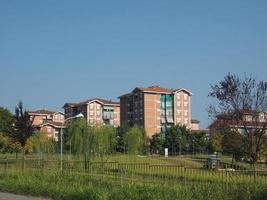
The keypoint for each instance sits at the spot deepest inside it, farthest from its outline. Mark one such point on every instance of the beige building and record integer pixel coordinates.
(195, 125)
(48, 121)
(156, 108)
(96, 111)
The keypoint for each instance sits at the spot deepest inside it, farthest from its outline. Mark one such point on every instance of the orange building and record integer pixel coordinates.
(48, 121)
(96, 111)
(156, 108)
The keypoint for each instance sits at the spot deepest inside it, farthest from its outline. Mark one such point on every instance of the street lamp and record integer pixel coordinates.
(80, 115)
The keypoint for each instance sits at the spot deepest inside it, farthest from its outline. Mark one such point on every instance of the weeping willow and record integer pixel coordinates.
(91, 141)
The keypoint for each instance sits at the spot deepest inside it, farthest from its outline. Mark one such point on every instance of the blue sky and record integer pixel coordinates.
(52, 52)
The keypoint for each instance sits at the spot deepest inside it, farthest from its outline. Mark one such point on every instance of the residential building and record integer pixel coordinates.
(156, 108)
(240, 121)
(96, 111)
(48, 121)
(195, 125)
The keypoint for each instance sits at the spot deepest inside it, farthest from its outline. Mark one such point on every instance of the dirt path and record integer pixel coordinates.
(8, 196)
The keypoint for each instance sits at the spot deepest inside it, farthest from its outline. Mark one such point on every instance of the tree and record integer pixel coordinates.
(135, 140)
(216, 142)
(23, 128)
(90, 141)
(199, 142)
(6, 120)
(120, 136)
(233, 144)
(242, 104)
(157, 144)
(81, 139)
(177, 139)
(41, 143)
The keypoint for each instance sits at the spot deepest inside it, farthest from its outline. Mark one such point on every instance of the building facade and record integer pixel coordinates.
(96, 111)
(48, 121)
(243, 122)
(156, 108)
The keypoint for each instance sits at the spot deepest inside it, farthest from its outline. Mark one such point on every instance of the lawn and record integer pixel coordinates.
(129, 177)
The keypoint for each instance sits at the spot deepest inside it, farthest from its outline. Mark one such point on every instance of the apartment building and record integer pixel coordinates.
(96, 111)
(156, 108)
(48, 121)
(245, 119)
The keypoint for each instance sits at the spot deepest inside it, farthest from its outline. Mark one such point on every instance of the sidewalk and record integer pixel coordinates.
(8, 196)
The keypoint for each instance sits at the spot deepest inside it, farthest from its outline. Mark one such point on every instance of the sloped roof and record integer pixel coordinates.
(42, 112)
(54, 124)
(102, 101)
(155, 88)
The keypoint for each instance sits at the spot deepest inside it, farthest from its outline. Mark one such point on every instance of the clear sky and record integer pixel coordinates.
(52, 52)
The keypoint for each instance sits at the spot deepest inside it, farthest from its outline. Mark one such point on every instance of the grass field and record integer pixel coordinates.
(129, 177)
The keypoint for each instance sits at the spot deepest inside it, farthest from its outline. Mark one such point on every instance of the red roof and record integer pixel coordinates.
(156, 89)
(42, 112)
(103, 101)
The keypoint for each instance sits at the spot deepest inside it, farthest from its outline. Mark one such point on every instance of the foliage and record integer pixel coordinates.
(135, 140)
(41, 143)
(157, 144)
(177, 139)
(23, 128)
(91, 141)
(120, 135)
(233, 144)
(199, 142)
(242, 101)
(4, 143)
(216, 140)
(6, 121)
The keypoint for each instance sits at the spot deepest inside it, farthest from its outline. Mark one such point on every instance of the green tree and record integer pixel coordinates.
(120, 136)
(199, 142)
(157, 144)
(41, 143)
(135, 140)
(177, 139)
(6, 121)
(233, 144)
(4, 143)
(91, 141)
(216, 142)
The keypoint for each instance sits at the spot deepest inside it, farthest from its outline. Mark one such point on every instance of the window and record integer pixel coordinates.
(98, 106)
(179, 120)
(91, 113)
(179, 103)
(168, 103)
(185, 113)
(178, 97)
(185, 104)
(91, 106)
(179, 112)
(48, 129)
(185, 96)
(98, 113)
(55, 116)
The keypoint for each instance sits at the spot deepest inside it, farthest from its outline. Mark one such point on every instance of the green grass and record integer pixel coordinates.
(129, 177)
(74, 186)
